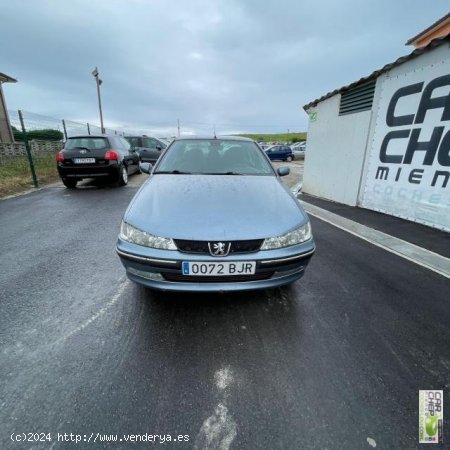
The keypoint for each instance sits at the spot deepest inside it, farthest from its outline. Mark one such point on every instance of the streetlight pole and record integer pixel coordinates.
(99, 82)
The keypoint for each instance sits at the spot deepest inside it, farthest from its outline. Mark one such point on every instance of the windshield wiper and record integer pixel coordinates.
(82, 148)
(173, 172)
(222, 173)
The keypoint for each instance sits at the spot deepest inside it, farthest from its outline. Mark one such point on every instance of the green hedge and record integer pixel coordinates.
(43, 135)
(277, 137)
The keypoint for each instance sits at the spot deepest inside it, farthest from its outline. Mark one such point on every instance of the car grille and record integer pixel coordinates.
(170, 276)
(248, 246)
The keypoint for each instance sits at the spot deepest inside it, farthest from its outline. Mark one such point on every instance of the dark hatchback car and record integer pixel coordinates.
(148, 148)
(105, 157)
(280, 152)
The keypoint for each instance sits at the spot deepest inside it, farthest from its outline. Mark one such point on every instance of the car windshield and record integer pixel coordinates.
(86, 142)
(214, 157)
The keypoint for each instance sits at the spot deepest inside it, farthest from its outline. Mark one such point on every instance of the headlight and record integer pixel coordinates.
(297, 236)
(136, 236)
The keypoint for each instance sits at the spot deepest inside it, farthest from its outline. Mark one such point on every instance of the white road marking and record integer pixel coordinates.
(371, 442)
(217, 432)
(99, 313)
(223, 378)
(418, 255)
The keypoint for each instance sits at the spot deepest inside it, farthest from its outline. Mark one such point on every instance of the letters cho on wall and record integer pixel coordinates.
(408, 172)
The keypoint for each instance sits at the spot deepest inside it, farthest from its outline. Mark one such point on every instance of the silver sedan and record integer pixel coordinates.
(214, 216)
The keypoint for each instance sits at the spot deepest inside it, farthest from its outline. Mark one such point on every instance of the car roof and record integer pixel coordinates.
(141, 135)
(84, 136)
(210, 138)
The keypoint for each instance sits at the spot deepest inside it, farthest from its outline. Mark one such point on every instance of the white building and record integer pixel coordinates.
(383, 142)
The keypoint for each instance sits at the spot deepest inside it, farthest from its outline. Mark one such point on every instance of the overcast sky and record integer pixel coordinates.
(243, 65)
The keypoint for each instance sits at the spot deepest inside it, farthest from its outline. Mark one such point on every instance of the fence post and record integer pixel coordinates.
(89, 129)
(28, 149)
(64, 128)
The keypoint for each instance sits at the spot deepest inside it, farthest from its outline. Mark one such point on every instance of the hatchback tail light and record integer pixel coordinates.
(60, 157)
(111, 155)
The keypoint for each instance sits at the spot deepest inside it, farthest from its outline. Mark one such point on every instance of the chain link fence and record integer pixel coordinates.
(30, 160)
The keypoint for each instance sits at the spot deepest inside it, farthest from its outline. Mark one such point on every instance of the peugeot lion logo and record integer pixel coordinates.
(83, 151)
(219, 248)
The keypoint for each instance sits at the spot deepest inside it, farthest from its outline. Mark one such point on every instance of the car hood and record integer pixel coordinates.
(215, 207)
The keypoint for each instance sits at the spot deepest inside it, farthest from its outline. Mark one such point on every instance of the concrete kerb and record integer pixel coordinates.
(411, 252)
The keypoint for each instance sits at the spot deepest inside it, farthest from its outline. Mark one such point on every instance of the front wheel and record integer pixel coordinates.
(123, 176)
(289, 159)
(70, 183)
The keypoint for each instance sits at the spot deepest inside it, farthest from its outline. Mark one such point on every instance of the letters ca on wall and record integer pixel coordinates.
(409, 162)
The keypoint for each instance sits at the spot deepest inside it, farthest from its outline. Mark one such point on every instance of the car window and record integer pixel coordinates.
(134, 141)
(216, 157)
(150, 143)
(87, 142)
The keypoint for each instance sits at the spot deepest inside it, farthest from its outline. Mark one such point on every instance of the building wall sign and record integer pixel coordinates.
(408, 170)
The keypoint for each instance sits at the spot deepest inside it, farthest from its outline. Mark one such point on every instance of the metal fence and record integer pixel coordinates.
(33, 121)
(30, 160)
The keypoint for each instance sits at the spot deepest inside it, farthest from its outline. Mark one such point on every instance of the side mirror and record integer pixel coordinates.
(145, 167)
(159, 148)
(283, 171)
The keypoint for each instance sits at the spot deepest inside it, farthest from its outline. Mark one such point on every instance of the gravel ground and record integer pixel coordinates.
(296, 174)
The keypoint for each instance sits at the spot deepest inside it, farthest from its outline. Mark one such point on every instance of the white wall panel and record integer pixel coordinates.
(335, 152)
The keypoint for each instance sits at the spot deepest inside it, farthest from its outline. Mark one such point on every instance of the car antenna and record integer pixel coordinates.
(215, 137)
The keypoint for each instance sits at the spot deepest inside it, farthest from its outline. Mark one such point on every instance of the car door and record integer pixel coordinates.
(272, 152)
(277, 152)
(286, 152)
(131, 155)
(151, 149)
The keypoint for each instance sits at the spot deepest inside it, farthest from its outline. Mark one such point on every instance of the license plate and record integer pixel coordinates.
(218, 269)
(84, 160)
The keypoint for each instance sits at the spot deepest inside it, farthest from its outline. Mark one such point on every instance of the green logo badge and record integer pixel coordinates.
(431, 416)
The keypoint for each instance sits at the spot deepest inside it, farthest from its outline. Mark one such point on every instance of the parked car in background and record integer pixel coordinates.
(208, 219)
(280, 152)
(100, 156)
(299, 149)
(148, 148)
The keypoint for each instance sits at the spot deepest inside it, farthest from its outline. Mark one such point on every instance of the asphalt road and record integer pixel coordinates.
(334, 361)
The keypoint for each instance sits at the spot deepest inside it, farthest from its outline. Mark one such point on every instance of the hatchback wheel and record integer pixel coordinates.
(123, 176)
(69, 183)
(289, 158)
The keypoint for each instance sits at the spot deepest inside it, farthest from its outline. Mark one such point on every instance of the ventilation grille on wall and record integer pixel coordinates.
(357, 99)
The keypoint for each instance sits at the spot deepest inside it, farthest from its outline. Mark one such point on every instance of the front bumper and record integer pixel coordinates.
(161, 269)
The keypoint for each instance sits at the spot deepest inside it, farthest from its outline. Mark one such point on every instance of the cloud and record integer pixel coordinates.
(241, 65)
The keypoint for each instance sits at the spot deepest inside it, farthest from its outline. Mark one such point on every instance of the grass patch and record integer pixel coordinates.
(279, 137)
(15, 173)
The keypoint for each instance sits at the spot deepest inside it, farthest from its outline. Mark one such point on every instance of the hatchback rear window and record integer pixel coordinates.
(93, 143)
